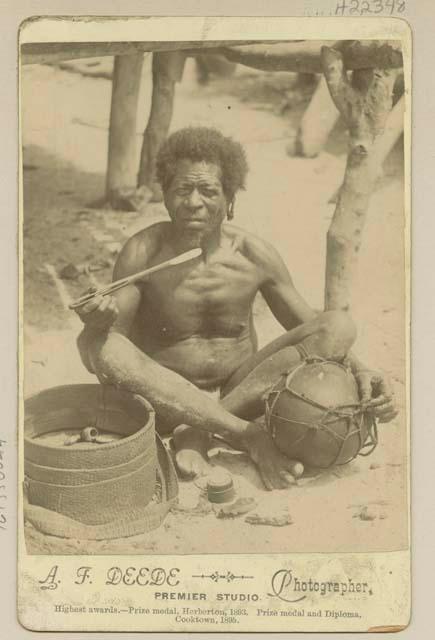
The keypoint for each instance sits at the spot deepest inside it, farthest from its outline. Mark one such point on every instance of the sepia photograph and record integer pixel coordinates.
(214, 296)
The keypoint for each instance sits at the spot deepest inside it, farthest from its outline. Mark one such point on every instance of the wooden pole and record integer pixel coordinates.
(299, 56)
(392, 133)
(305, 56)
(167, 70)
(121, 163)
(365, 107)
(317, 122)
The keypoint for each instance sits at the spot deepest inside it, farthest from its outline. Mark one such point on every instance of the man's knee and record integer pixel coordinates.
(111, 357)
(339, 323)
(335, 335)
(339, 333)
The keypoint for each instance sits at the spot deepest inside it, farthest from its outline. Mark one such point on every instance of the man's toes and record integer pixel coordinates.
(184, 464)
(199, 466)
(191, 463)
(277, 481)
(295, 468)
(287, 478)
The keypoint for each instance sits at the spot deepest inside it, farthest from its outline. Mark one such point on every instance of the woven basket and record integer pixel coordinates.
(93, 484)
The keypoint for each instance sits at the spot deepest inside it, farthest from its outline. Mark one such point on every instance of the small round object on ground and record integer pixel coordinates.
(220, 487)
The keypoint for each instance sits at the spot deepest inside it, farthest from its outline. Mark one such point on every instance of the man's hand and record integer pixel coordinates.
(99, 313)
(375, 390)
(275, 469)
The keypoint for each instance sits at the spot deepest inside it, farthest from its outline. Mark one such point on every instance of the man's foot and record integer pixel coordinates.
(191, 447)
(276, 470)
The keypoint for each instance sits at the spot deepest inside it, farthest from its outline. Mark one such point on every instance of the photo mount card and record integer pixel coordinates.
(192, 441)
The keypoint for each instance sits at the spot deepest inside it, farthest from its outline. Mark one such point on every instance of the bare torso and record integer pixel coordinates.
(196, 319)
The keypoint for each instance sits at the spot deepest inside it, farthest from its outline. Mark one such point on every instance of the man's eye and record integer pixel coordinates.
(209, 192)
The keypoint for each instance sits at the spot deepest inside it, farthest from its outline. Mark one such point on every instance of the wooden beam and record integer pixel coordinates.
(52, 52)
(305, 56)
(300, 56)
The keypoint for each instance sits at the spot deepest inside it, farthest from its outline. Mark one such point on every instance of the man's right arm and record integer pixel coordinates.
(116, 312)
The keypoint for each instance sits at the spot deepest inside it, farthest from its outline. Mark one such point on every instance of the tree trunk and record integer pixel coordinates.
(385, 143)
(121, 164)
(167, 70)
(317, 122)
(365, 106)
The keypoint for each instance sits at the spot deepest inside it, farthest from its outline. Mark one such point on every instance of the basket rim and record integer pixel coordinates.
(89, 448)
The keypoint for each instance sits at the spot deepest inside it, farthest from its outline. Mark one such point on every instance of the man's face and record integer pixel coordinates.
(195, 199)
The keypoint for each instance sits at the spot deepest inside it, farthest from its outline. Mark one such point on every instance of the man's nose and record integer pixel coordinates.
(193, 200)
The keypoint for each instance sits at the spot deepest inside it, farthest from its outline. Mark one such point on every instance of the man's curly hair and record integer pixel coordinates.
(203, 144)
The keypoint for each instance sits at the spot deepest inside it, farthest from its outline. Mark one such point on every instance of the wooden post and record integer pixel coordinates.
(393, 131)
(317, 122)
(121, 163)
(167, 70)
(365, 107)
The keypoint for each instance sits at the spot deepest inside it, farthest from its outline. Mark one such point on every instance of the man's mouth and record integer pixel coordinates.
(194, 223)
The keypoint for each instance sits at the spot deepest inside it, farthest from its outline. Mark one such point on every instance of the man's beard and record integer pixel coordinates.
(193, 238)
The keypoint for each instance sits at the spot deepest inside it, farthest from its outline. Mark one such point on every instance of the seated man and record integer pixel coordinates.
(189, 329)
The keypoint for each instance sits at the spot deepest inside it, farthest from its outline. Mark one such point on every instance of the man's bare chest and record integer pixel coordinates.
(205, 286)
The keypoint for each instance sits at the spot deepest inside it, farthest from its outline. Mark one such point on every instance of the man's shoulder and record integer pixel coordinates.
(148, 240)
(142, 248)
(250, 245)
(152, 233)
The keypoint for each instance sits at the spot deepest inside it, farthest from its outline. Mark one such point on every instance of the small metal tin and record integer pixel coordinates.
(220, 487)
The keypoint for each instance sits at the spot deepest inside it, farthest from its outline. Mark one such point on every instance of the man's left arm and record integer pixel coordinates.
(291, 310)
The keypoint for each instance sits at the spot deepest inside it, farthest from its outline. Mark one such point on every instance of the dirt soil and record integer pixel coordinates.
(358, 507)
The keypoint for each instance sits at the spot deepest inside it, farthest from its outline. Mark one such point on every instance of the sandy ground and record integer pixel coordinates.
(65, 119)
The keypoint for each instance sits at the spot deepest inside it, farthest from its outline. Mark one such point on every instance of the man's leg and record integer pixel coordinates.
(330, 335)
(177, 402)
(116, 360)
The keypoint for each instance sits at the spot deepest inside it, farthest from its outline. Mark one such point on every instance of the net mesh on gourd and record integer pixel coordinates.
(315, 416)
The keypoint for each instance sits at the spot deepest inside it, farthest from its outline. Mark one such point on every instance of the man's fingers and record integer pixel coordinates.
(382, 408)
(90, 306)
(383, 387)
(388, 416)
(379, 402)
(387, 413)
(100, 312)
(365, 387)
(104, 304)
(112, 305)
